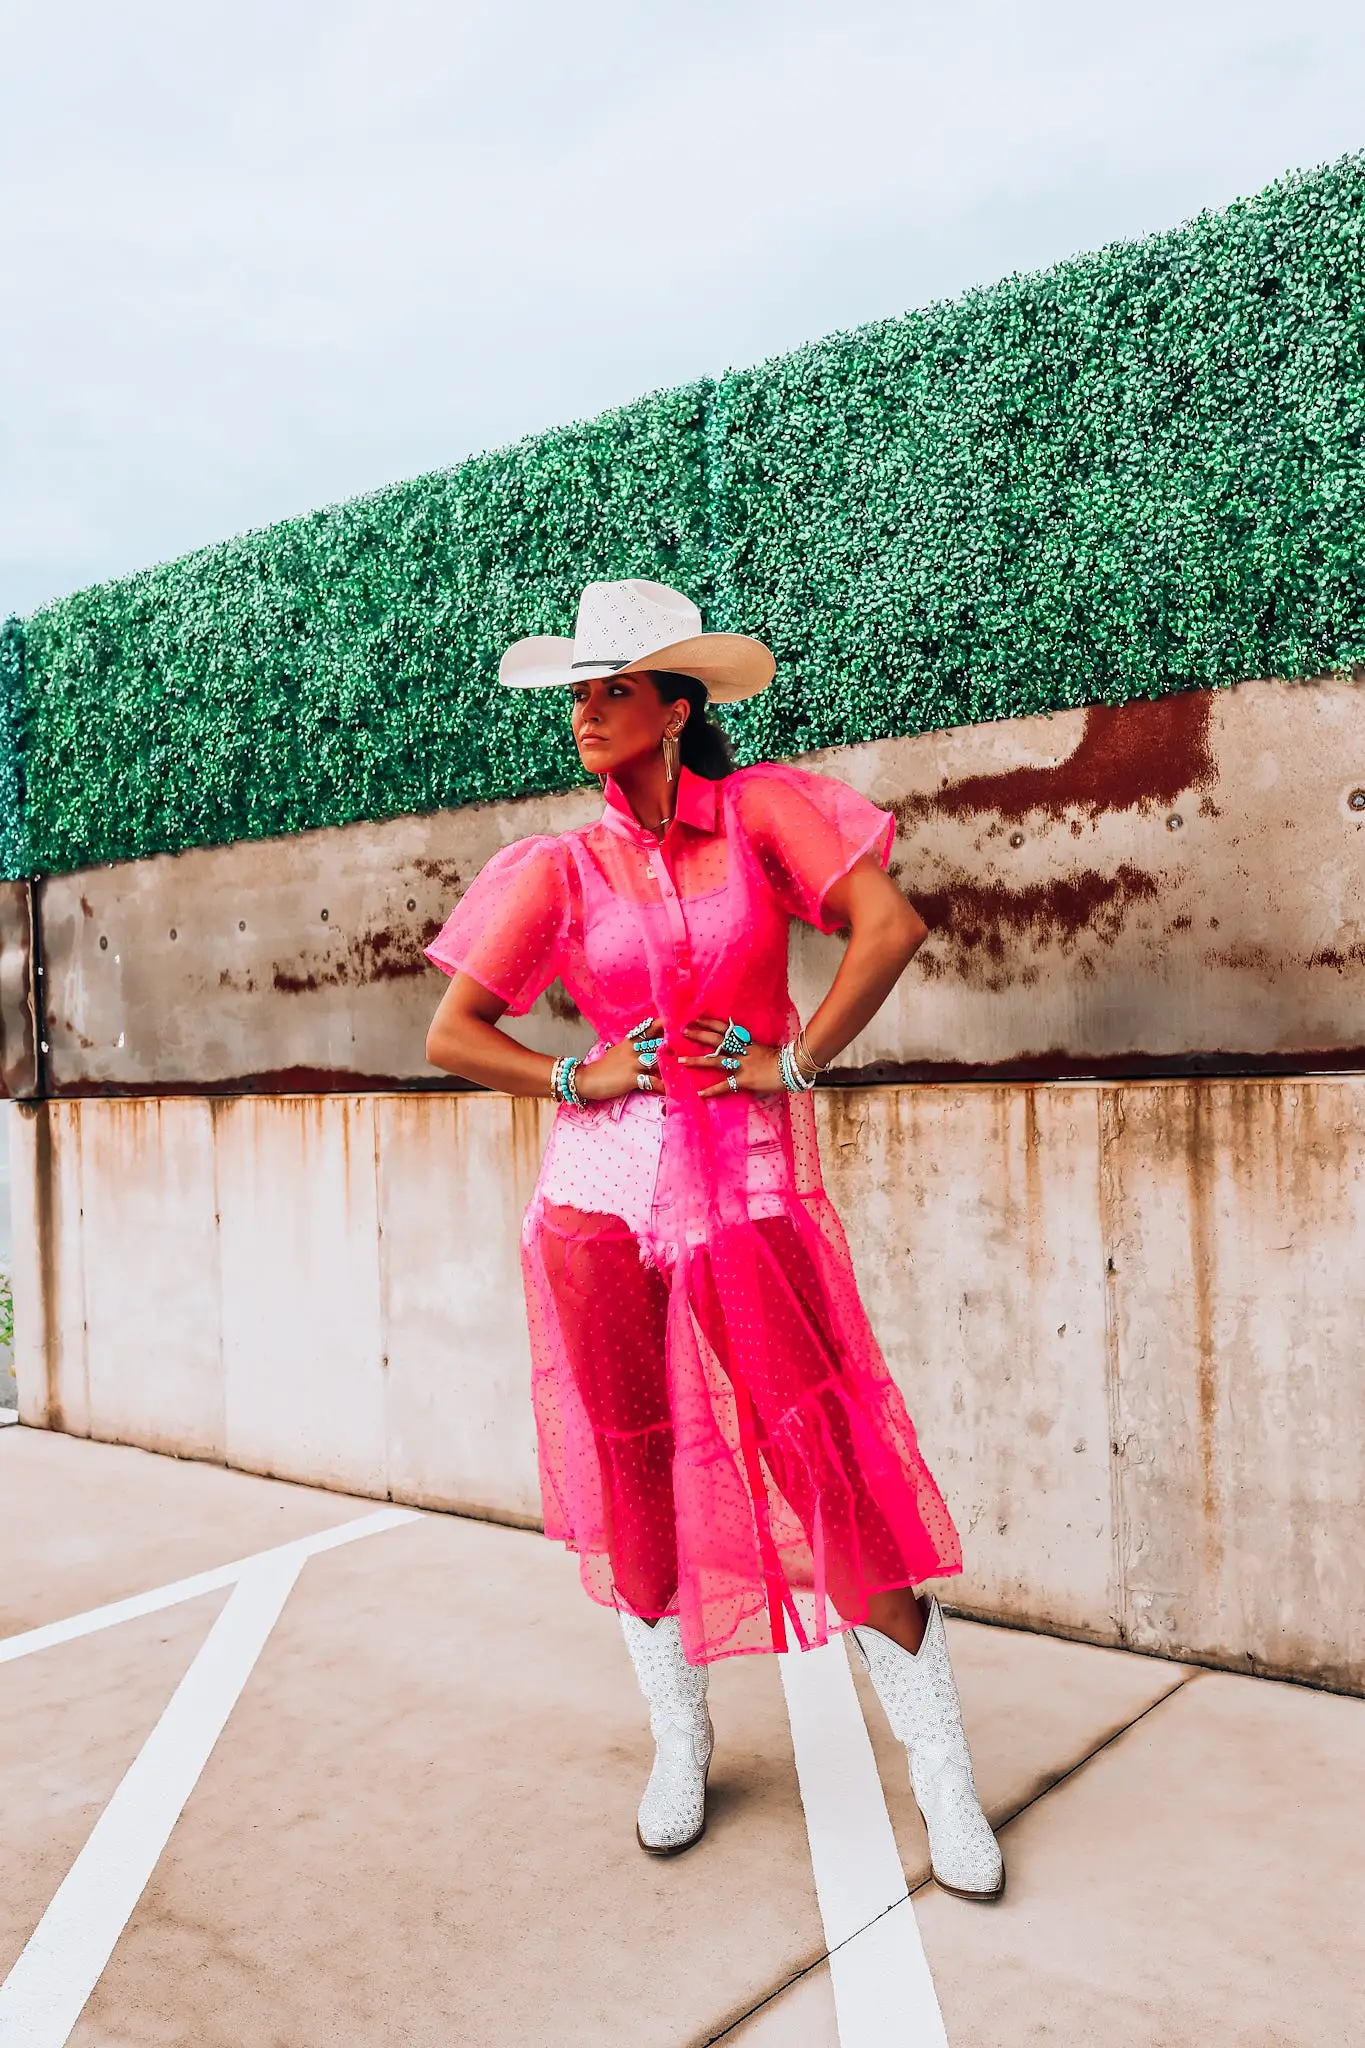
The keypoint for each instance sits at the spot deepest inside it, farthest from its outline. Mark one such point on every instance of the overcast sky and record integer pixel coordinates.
(263, 254)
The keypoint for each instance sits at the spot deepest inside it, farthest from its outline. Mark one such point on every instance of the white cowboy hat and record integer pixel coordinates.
(635, 625)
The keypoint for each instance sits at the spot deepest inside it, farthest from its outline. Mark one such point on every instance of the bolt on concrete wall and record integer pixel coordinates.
(1126, 1320)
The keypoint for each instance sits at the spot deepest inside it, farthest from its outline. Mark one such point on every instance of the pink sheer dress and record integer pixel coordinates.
(719, 1436)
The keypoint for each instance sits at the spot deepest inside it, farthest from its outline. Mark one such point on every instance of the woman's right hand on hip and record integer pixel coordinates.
(620, 1069)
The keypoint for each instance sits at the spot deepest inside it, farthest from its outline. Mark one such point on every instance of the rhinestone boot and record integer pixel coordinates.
(919, 1696)
(672, 1813)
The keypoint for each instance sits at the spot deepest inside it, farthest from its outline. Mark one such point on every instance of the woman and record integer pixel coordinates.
(720, 1440)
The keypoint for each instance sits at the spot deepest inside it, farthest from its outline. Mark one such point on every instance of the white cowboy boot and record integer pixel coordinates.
(919, 1697)
(673, 1811)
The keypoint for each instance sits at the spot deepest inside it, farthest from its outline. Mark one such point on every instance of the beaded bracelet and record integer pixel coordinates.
(564, 1081)
(797, 1061)
(793, 1080)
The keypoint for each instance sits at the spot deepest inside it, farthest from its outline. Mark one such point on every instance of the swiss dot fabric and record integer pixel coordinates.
(719, 1435)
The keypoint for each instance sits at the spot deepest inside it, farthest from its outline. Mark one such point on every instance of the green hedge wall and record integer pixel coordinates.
(1141, 470)
(14, 856)
(336, 667)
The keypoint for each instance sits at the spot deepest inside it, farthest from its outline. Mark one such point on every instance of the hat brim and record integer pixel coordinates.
(732, 665)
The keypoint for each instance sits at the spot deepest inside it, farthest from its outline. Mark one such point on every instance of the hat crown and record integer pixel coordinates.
(621, 622)
(633, 625)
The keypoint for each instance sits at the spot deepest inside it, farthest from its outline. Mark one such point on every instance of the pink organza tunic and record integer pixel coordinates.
(719, 1435)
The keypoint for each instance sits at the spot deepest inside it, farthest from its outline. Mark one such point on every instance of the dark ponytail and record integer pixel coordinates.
(705, 745)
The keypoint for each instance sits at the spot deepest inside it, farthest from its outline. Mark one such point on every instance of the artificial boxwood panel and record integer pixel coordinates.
(1139, 471)
(344, 665)
(14, 859)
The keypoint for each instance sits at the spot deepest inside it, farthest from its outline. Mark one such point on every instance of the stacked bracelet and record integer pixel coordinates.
(805, 1058)
(564, 1081)
(793, 1079)
(798, 1065)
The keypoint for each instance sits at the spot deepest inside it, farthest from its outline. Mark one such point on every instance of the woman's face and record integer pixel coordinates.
(620, 719)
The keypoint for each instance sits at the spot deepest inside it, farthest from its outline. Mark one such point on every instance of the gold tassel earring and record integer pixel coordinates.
(672, 755)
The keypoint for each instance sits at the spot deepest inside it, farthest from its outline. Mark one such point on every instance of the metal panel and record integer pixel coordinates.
(19, 1063)
(274, 965)
(1152, 887)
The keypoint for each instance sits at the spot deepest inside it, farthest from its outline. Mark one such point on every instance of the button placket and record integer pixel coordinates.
(673, 911)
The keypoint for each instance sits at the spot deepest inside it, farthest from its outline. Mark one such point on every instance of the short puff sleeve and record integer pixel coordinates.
(808, 831)
(505, 930)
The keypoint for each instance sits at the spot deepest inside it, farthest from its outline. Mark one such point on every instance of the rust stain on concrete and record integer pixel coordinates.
(1246, 958)
(443, 871)
(561, 1004)
(1059, 1063)
(286, 983)
(272, 1081)
(525, 1138)
(48, 1262)
(374, 956)
(20, 1060)
(1032, 1144)
(1129, 758)
(981, 920)
(1201, 1160)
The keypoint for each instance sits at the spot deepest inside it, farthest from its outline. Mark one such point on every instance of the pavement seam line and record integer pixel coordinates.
(51, 1633)
(1008, 1819)
(733, 2026)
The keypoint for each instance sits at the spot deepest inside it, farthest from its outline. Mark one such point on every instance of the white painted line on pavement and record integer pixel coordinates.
(214, 1581)
(44, 1994)
(883, 1993)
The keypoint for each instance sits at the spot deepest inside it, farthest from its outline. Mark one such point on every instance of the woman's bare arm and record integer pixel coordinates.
(885, 933)
(464, 1039)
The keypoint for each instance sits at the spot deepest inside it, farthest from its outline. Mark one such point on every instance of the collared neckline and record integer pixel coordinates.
(694, 805)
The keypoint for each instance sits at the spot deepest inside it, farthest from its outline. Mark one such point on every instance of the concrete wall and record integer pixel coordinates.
(1127, 1319)
(1123, 890)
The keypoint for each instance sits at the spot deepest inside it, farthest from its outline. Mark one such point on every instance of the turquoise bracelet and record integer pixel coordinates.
(563, 1083)
(793, 1080)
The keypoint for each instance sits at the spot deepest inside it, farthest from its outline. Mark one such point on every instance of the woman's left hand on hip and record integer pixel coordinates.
(754, 1072)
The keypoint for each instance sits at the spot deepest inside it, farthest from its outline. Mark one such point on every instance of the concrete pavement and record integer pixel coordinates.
(416, 1826)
